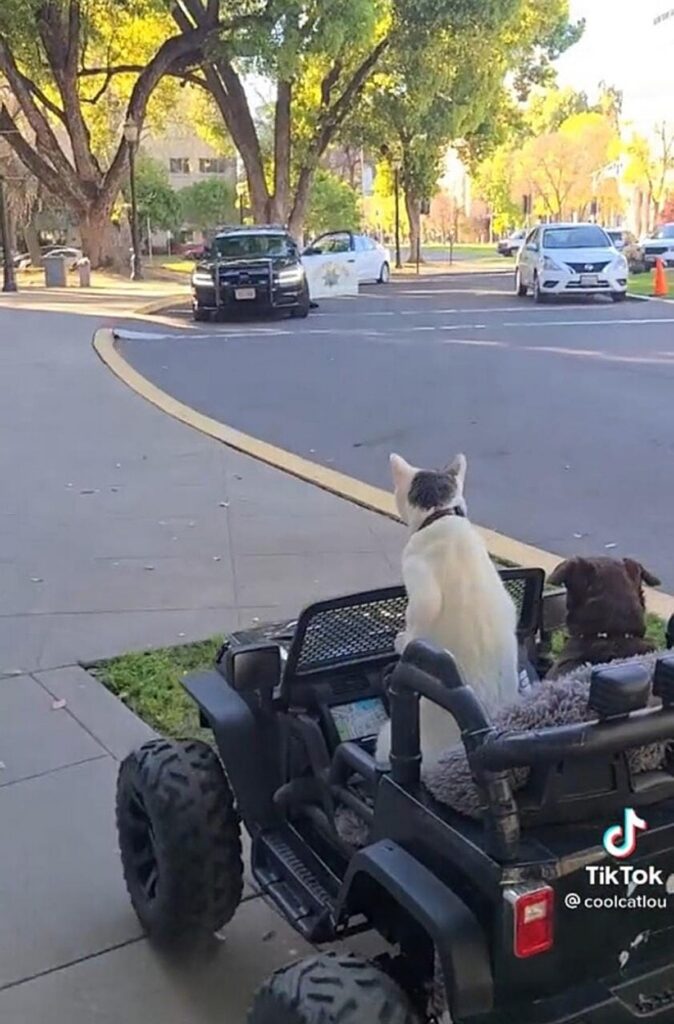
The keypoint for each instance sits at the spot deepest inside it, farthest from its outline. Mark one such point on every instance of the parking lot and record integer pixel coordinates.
(564, 410)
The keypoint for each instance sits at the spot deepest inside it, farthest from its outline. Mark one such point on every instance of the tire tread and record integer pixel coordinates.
(197, 834)
(332, 988)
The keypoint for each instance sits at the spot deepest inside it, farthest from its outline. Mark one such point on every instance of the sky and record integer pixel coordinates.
(623, 47)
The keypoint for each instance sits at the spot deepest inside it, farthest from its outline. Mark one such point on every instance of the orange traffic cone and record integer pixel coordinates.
(660, 286)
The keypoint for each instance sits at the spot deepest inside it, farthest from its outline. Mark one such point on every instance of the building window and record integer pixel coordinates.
(213, 165)
(179, 165)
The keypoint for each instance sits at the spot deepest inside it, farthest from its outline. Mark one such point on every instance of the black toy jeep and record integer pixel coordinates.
(248, 269)
(491, 921)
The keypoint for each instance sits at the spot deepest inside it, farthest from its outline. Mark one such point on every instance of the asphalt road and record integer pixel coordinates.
(566, 412)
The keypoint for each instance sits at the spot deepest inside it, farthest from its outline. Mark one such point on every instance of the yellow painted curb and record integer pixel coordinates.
(159, 305)
(506, 549)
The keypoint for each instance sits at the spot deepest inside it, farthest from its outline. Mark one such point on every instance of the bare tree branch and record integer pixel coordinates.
(334, 115)
(48, 104)
(169, 53)
(60, 37)
(38, 122)
(31, 159)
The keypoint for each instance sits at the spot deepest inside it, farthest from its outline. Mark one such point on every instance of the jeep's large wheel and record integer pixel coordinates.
(200, 314)
(180, 840)
(331, 989)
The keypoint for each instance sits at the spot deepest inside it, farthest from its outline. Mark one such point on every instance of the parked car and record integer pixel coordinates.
(511, 244)
(371, 260)
(21, 261)
(658, 245)
(72, 254)
(570, 259)
(250, 268)
(627, 243)
(193, 250)
(620, 237)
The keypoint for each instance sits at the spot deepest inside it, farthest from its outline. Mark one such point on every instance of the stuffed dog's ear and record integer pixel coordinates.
(560, 575)
(639, 573)
(572, 571)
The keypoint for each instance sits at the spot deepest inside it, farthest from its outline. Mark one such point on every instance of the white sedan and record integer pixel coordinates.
(371, 261)
(570, 259)
(72, 255)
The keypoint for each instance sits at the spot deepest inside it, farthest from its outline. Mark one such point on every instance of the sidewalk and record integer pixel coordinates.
(108, 296)
(120, 528)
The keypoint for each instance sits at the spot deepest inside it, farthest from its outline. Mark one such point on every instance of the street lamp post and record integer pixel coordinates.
(241, 193)
(131, 134)
(396, 190)
(9, 277)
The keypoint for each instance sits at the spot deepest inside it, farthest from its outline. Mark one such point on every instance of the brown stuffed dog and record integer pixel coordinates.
(605, 611)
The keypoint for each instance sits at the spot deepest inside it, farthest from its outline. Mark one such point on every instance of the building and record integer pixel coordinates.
(647, 102)
(187, 158)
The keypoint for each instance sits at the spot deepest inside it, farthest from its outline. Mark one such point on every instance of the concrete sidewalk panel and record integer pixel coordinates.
(125, 584)
(61, 889)
(303, 535)
(114, 726)
(300, 579)
(34, 642)
(134, 985)
(36, 738)
(37, 538)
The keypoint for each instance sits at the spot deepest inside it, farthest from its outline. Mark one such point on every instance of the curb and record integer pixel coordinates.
(503, 548)
(160, 305)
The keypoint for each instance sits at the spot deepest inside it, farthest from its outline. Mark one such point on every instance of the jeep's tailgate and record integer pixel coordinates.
(611, 915)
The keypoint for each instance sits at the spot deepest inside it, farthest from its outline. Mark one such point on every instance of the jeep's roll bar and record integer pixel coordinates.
(622, 723)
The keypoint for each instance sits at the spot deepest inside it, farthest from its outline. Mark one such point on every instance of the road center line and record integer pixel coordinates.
(588, 323)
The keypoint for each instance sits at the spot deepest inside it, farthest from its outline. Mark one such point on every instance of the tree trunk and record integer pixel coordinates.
(96, 234)
(413, 207)
(281, 198)
(33, 243)
(299, 211)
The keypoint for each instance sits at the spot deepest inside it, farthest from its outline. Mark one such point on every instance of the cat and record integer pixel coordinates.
(456, 598)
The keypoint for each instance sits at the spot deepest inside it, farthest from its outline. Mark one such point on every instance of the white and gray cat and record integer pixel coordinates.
(456, 598)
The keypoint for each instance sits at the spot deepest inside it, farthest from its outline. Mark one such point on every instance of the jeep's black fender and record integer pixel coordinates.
(241, 741)
(453, 929)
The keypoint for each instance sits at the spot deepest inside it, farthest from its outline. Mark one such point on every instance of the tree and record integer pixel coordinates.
(563, 169)
(498, 176)
(208, 203)
(649, 165)
(319, 56)
(333, 205)
(60, 59)
(159, 205)
(451, 86)
(495, 181)
(547, 109)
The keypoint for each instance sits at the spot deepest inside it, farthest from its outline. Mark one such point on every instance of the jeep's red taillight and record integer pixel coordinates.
(533, 920)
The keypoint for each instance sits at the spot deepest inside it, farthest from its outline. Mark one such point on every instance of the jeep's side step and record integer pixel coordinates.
(286, 878)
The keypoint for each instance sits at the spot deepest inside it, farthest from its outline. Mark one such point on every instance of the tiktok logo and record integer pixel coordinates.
(621, 840)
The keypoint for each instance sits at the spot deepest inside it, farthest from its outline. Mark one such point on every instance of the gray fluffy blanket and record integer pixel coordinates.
(555, 702)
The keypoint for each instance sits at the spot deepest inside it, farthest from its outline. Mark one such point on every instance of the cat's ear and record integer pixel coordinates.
(401, 472)
(457, 468)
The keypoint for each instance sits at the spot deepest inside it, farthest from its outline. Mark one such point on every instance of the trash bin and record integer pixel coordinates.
(55, 271)
(84, 270)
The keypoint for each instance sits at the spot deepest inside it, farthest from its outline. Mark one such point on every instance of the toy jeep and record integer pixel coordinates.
(481, 917)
